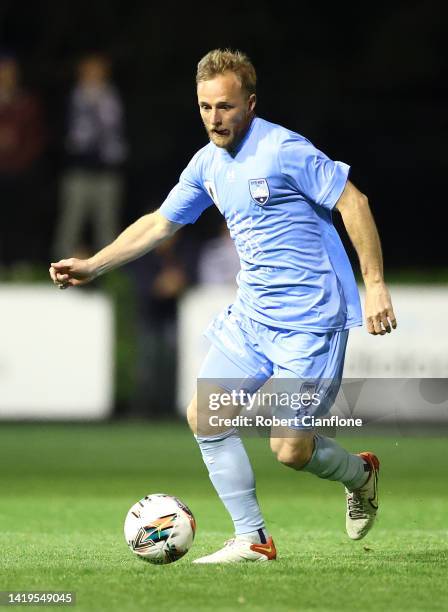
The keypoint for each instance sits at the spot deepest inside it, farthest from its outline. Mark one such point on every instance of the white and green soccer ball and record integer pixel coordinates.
(159, 528)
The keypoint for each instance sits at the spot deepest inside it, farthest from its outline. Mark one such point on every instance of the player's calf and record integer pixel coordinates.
(294, 452)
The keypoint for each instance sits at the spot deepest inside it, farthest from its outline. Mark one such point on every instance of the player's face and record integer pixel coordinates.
(226, 110)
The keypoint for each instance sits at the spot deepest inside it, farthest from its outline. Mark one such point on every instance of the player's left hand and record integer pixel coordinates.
(379, 313)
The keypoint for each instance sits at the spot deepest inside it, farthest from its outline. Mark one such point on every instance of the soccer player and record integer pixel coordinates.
(297, 297)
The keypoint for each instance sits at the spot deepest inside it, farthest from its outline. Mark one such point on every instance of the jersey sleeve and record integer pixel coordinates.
(188, 199)
(312, 173)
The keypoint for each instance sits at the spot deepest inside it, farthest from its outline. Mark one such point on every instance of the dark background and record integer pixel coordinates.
(365, 83)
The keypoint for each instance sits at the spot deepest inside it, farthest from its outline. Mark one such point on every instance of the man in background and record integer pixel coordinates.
(92, 184)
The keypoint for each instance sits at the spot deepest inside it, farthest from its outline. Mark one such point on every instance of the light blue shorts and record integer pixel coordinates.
(245, 354)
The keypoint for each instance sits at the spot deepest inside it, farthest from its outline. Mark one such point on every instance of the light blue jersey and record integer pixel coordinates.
(276, 192)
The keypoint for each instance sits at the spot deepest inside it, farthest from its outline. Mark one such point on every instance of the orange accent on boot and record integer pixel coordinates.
(371, 459)
(267, 549)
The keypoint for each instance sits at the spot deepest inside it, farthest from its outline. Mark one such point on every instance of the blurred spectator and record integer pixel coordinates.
(92, 185)
(161, 277)
(218, 260)
(22, 141)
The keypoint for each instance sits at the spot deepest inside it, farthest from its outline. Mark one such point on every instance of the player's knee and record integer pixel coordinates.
(276, 444)
(192, 416)
(295, 455)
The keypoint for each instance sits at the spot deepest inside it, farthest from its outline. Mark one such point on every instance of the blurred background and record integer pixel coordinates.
(98, 117)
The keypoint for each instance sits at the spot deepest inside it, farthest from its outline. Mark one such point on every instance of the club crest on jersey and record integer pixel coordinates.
(259, 190)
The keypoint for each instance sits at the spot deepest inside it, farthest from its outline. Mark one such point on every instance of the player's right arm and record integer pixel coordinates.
(136, 240)
(184, 204)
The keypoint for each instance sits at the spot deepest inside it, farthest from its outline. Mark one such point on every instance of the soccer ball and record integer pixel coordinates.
(159, 528)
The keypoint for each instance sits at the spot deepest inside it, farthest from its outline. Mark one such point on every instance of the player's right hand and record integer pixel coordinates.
(71, 272)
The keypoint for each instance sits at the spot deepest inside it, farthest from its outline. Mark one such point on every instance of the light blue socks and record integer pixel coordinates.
(332, 462)
(233, 478)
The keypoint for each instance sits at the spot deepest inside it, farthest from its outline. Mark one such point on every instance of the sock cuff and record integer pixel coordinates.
(255, 535)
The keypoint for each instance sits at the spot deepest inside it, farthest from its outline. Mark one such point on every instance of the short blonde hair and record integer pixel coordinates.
(220, 61)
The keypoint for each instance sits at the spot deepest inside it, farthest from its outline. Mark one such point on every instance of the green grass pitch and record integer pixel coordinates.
(65, 491)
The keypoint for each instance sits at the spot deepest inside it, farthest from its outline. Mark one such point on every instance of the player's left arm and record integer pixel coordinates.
(360, 225)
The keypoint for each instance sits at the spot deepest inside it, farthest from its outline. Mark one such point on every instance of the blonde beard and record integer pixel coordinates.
(229, 142)
(221, 141)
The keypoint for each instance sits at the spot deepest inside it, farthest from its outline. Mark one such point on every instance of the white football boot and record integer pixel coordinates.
(239, 549)
(362, 504)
